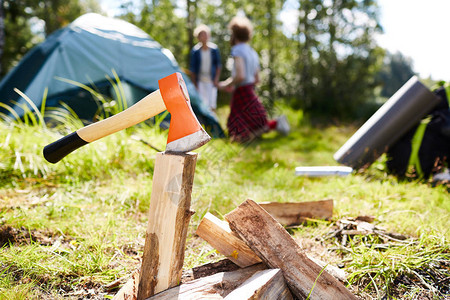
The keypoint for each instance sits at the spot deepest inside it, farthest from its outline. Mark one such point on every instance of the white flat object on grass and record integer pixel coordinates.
(318, 171)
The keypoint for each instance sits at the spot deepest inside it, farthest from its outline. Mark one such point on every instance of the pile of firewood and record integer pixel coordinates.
(264, 261)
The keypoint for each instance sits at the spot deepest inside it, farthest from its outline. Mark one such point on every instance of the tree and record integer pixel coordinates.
(160, 20)
(397, 69)
(23, 17)
(191, 20)
(266, 41)
(18, 38)
(339, 55)
(327, 66)
(55, 13)
(2, 32)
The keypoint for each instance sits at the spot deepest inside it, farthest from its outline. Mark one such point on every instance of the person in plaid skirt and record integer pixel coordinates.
(248, 117)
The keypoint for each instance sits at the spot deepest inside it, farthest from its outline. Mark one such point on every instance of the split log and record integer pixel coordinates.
(169, 217)
(266, 284)
(129, 290)
(273, 244)
(224, 265)
(219, 235)
(216, 286)
(296, 213)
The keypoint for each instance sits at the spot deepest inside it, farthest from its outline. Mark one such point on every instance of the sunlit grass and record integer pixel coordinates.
(93, 205)
(378, 269)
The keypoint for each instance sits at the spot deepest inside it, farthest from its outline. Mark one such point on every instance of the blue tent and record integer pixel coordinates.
(88, 51)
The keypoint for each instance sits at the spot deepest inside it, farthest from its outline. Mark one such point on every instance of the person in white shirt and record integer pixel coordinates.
(205, 66)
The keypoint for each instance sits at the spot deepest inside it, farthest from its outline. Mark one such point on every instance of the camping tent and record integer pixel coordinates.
(89, 51)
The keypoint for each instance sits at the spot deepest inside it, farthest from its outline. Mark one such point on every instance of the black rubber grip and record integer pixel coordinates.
(56, 151)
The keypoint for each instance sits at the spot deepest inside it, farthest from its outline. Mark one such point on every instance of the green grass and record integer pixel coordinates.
(87, 214)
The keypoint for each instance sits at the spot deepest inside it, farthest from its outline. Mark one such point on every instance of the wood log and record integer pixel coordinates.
(216, 286)
(129, 289)
(219, 235)
(224, 265)
(266, 284)
(296, 213)
(169, 217)
(273, 244)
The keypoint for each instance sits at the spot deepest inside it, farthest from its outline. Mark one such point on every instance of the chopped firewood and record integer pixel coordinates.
(129, 290)
(224, 265)
(273, 244)
(169, 216)
(266, 284)
(218, 233)
(216, 286)
(296, 213)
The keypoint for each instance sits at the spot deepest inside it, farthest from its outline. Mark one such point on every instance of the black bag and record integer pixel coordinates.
(434, 151)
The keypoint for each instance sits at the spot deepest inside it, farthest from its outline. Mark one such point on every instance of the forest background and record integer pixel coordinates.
(330, 65)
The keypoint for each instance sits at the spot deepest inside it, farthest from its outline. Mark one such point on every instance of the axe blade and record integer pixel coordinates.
(185, 131)
(188, 143)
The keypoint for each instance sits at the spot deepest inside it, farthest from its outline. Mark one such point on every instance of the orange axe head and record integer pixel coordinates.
(185, 132)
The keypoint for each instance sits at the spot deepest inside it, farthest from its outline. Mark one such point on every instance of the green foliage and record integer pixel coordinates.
(160, 20)
(19, 38)
(338, 56)
(397, 70)
(28, 22)
(55, 13)
(326, 67)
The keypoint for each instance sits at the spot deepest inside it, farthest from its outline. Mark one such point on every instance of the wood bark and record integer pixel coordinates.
(169, 217)
(273, 244)
(129, 289)
(296, 213)
(224, 265)
(219, 235)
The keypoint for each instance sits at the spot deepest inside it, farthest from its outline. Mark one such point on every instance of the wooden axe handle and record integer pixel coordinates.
(147, 107)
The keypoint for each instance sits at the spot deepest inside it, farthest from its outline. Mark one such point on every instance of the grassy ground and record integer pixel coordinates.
(68, 230)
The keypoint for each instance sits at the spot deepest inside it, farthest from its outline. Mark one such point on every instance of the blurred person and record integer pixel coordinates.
(205, 66)
(248, 117)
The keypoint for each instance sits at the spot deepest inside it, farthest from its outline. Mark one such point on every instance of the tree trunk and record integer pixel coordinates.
(2, 33)
(191, 18)
(271, 64)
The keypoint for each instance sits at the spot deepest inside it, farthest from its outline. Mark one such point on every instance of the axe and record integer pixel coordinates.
(185, 132)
